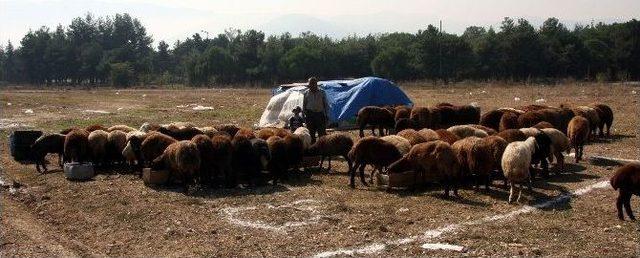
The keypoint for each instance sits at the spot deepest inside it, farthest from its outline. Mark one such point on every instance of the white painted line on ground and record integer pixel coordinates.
(435, 233)
(438, 246)
(231, 214)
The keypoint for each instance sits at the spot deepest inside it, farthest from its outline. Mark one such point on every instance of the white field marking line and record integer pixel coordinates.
(439, 246)
(306, 205)
(435, 233)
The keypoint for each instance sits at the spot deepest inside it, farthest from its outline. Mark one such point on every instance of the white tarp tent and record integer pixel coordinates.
(279, 109)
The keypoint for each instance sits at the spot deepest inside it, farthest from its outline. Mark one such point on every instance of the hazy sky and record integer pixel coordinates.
(176, 19)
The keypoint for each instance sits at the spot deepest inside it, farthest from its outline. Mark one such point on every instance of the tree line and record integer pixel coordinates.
(116, 50)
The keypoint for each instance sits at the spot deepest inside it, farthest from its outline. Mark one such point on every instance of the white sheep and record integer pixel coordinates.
(464, 131)
(530, 131)
(304, 133)
(516, 162)
(400, 142)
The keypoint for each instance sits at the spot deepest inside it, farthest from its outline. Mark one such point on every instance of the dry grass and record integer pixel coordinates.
(117, 215)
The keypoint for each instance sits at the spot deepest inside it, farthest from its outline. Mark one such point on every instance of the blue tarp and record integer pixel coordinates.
(347, 97)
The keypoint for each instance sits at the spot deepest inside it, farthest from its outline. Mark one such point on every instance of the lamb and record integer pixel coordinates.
(377, 117)
(303, 132)
(228, 128)
(371, 151)
(559, 143)
(464, 131)
(405, 123)
(627, 181)
(578, 132)
(516, 162)
(403, 145)
(512, 135)
(98, 146)
(206, 153)
(422, 117)
(412, 135)
(433, 161)
(294, 150)
(180, 133)
(278, 163)
(338, 144)
(45, 144)
(606, 117)
(428, 134)
(509, 121)
(76, 146)
(116, 143)
(475, 158)
(92, 128)
(447, 136)
(246, 132)
(542, 125)
(182, 159)
(124, 128)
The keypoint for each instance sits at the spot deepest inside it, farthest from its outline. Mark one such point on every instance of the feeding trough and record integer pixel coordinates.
(20, 145)
(402, 180)
(155, 177)
(78, 171)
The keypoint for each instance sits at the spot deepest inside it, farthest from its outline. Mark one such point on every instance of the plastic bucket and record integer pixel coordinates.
(78, 171)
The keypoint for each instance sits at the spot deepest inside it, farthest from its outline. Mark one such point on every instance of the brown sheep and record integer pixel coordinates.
(278, 163)
(475, 158)
(124, 128)
(543, 125)
(153, 146)
(180, 133)
(492, 118)
(295, 150)
(534, 107)
(98, 146)
(606, 117)
(405, 123)
(371, 151)
(182, 159)
(49, 143)
(578, 132)
(447, 136)
(428, 134)
(512, 135)
(116, 142)
(402, 112)
(627, 181)
(228, 128)
(422, 117)
(590, 114)
(412, 135)
(265, 133)
(431, 161)
(76, 146)
(221, 157)
(509, 120)
(92, 128)
(488, 130)
(497, 145)
(206, 152)
(327, 146)
(377, 117)
(246, 161)
(246, 132)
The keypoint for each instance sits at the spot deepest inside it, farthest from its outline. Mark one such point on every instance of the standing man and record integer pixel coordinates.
(315, 107)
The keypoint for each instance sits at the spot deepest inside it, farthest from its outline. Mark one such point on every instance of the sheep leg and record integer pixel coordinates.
(627, 206)
(321, 161)
(519, 193)
(373, 172)
(352, 175)
(619, 202)
(364, 182)
(349, 163)
(559, 162)
(60, 160)
(381, 130)
(511, 190)
(608, 127)
(38, 166)
(362, 130)
(329, 168)
(487, 183)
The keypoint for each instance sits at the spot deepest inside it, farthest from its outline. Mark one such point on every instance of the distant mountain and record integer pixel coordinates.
(298, 23)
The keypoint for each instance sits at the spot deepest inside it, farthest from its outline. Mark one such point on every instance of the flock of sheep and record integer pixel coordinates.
(447, 143)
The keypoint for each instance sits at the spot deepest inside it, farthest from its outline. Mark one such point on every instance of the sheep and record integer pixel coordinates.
(221, 157)
(148, 127)
(516, 162)
(405, 123)
(496, 146)
(578, 132)
(208, 130)
(76, 146)
(92, 128)
(422, 117)
(371, 151)
(590, 114)
(228, 128)
(606, 117)
(512, 135)
(116, 143)
(261, 151)
(45, 144)
(244, 161)
(182, 159)
(402, 112)
(447, 116)
(565, 116)
(451, 115)
(294, 150)
(131, 151)
(627, 181)
(488, 130)
(278, 163)
(67, 130)
(180, 133)
(559, 143)
(533, 107)
(401, 143)
(531, 118)
(432, 161)
(509, 120)
(542, 125)
(530, 131)
(413, 136)
(491, 119)
(265, 133)
(152, 147)
(475, 158)
(338, 144)
(303, 132)
(246, 132)
(377, 117)
(464, 131)
(98, 146)
(447, 136)
(428, 134)
(124, 128)
(206, 152)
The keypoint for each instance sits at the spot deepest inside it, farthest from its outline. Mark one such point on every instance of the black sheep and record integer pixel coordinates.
(51, 143)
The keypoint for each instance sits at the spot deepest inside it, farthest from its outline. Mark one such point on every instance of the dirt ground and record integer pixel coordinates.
(315, 213)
